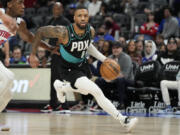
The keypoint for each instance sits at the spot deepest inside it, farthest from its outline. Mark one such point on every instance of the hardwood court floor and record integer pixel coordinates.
(61, 124)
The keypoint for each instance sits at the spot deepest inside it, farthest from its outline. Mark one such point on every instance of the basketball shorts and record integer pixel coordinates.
(72, 73)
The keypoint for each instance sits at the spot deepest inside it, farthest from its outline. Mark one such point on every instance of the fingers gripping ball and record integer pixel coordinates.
(110, 69)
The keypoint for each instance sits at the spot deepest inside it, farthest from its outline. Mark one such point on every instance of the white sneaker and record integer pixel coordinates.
(58, 85)
(129, 124)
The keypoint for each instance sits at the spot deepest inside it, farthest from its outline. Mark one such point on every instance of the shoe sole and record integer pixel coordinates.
(130, 128)
(46, 111)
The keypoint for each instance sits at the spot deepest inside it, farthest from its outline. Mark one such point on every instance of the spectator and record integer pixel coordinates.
(131, 51)
(107, 48)
(111, 26)
(162, 48)
(129, 6)
(17, 57)
(118, 85)
(103, 35)
(149, 51)
(149, 29)
(122, 40)
(171, 52)
(70, 12)
(169, 26)
(94, 7)
(159, 41)
(139, 47)
(41, 55)
(103, 10)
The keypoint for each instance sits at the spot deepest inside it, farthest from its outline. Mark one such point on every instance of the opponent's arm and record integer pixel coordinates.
(93, 51)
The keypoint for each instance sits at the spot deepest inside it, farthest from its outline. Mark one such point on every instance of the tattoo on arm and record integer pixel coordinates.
(59, 32)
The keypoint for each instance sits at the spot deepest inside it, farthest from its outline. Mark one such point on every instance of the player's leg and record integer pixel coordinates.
(165, 85)
(6, 81)
(85, 86)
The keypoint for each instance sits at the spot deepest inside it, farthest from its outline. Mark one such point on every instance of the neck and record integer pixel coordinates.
(78, 30)
(10, 13)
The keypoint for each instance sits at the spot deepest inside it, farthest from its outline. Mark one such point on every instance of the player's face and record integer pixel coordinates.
(17, 7)
(81, 18)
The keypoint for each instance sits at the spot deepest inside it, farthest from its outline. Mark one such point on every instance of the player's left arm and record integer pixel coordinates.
(29, 37)
(92, 49)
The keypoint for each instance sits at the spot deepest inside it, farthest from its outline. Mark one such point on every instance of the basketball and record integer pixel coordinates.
(109, 70)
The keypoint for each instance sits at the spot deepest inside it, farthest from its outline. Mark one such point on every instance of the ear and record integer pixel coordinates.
(9, 4)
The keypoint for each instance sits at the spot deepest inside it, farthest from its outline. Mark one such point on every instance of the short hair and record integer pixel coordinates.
(80, 7)
(4, 3)
(168, 8)
(172, 38)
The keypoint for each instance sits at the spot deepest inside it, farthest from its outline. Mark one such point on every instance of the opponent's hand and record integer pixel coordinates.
(9, 22)
(33, 60)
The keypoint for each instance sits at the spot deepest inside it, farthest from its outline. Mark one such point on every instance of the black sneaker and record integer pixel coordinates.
(47, 109)
(60, 109)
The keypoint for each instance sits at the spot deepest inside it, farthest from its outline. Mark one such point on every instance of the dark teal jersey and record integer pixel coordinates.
(75, 50)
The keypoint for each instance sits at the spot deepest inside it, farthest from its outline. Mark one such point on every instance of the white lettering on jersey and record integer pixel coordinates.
(81, 45)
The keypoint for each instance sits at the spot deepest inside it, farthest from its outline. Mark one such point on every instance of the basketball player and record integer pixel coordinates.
(75, 42)
(6, 78)
(8, 28)
(15, 9)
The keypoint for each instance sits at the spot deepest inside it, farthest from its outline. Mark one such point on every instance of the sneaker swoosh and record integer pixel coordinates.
(32, 82)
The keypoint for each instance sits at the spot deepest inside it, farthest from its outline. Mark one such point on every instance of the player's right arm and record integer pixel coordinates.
(59, 32)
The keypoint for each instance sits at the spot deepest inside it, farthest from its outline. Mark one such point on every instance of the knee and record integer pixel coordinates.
(163, 83)
(56, 84)
(96, 92)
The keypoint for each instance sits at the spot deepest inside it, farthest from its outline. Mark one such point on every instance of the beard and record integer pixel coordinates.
(81, 27)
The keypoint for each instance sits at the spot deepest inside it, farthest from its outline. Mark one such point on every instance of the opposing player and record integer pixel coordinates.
(8, 27)
(75, 41)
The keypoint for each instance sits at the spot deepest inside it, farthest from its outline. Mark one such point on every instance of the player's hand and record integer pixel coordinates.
(56, 50)
(109, 59)
(33, 60)
(6, 62)
(10, 23)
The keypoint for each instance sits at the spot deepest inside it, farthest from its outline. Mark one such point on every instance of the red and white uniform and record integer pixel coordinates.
(6, 76)
(4, 32)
